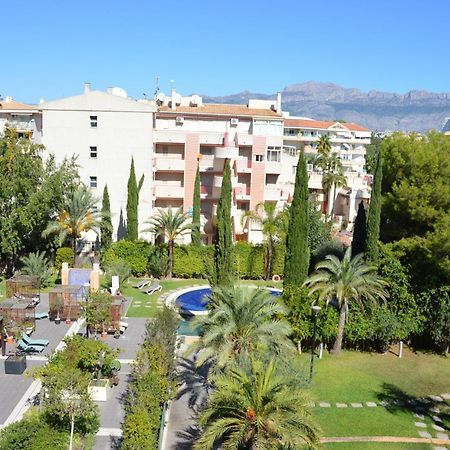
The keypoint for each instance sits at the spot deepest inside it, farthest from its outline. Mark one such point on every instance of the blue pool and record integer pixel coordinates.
(196, 300)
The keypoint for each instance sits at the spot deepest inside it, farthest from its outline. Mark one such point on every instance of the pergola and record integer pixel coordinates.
(65, 300)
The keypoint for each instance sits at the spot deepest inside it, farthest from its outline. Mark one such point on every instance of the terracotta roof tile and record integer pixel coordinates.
(322, 124)
(221, 109)
(13, 105)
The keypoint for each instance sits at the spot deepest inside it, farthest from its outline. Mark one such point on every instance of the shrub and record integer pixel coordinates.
(249, 260)
(119, 268)
(38, 266)
(137, 431)
(64, 254)
(189, 261)
(157, 261)
(134, 253)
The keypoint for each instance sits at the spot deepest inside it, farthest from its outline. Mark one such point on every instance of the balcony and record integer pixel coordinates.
(166, 190)
(162, 163)
(226, 152)
(169, 136)
(272, 194)
(242, 192)
(315, 180)
(244, 165)
(206, 164)
(23, 125)
(273, 167)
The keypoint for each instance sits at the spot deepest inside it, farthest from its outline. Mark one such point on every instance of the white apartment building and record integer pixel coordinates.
(104, 130)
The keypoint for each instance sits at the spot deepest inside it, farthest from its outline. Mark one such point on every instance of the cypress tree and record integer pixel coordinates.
(132, 204)
(359, 231)
(106, 225)
(223, 242)
(373, 217)
(297, 251)
(195, 233)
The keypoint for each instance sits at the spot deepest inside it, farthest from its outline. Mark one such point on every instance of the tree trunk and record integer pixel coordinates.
(330, 200)
(72, 425)
(169, 260)
(269, 259)
(340, 334)
(74, 245)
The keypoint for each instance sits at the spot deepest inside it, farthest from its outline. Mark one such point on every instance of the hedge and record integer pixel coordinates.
(64, 254)
(134, 253)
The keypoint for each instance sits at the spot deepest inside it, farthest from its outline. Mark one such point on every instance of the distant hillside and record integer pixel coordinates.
(382, 111)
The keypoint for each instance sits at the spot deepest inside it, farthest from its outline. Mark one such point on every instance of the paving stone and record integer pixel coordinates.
(324, 405)
(437, 427)
(436, 419)
(371, 404)
(445, 396)
(420, 424)
(147, 306)
(435, 409)
(341, 405)
(439, 448)
(443, 436)
(384, 403)
(419, 416)
(424, 434)
(356, 405)
(436, 398)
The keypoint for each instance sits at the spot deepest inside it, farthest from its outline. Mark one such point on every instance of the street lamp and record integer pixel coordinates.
(315, 312)
(86, 287)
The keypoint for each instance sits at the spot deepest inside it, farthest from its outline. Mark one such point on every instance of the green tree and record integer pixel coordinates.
(372, 151)
(273, 225)
(38, 266)
(241, 320)
(195, 233)
(348, 281)
(223, 242)
(170, 226)
(106, 227)
(359, 231)
(133, 204)
(78, 215)
(297, 251)
(257, 407)
(439, 324)
(373, 218)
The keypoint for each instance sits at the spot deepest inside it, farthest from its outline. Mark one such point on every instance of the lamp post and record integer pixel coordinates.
(315, 311)
(86, 287)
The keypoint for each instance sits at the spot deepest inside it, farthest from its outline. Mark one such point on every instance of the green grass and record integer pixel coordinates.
(375, 446)
(148, 305)
(361, 377)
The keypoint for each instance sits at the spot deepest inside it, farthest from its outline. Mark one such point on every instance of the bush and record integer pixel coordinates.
(189, 261)
(249, 260)
(134, 253)
(64, 254)
(137, 431)
(119, 268)
(157, 261)
(38, 266)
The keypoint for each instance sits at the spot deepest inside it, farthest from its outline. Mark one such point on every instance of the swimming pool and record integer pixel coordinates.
(195, 300)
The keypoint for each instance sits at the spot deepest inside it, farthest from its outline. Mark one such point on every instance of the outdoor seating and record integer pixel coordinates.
(142, 284)
(153, 288)
(29, 348)
(34, 342)
(41, 315)
(123, 326)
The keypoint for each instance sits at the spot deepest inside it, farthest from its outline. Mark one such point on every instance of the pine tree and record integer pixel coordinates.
(132, 204)
(297, 250)
(373, 218)
(223, 243)
(359, 231)
(195, 233)
(106, 225)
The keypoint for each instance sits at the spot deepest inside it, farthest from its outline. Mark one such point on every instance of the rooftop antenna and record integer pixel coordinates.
(157, 86)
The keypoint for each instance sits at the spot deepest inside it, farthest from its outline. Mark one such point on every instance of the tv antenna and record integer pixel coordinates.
(157, 86)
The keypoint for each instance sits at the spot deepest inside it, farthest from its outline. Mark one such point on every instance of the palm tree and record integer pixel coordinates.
(78, 215)
(324, 145)
(170, 226)
(273, 225)
(254, 407)
(241, 320)
(37, 266)
(347, 280)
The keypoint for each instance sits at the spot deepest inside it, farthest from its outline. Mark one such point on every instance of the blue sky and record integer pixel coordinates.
(49, 47)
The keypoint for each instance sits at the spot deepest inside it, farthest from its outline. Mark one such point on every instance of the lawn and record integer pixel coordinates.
(375, 446)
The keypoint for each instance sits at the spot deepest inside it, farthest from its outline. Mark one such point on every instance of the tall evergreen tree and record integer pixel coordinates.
(133, 204)
(359, 231)
(223, 242)
(195, 233)
(106, 225)
(373, 218)
(297, 250)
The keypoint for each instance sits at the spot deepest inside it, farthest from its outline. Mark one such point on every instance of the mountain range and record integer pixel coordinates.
(416, 110)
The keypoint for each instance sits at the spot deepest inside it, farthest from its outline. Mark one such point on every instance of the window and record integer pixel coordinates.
(93, 152)
(294, 170)
(267, 128)
(93, 121)
(273, 154)
(93, 182)
(259, 158)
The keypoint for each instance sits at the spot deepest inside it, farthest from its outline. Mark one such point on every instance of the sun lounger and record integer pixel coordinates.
(153, 288)
(34, 342)
(142, 284)
(41, 315)
(123, 326)
(30, 348)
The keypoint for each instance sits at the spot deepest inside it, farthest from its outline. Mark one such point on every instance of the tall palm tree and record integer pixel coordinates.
(347, 280)
(170, 226)
(78, 215)
(273, 225)
(241, 320)
(333, 171)
(257, 407)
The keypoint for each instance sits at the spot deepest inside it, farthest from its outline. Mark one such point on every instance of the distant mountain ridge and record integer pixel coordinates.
(415, 110)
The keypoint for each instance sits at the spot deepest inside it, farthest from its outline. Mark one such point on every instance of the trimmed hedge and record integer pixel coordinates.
(134, 253)
(64, 254)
